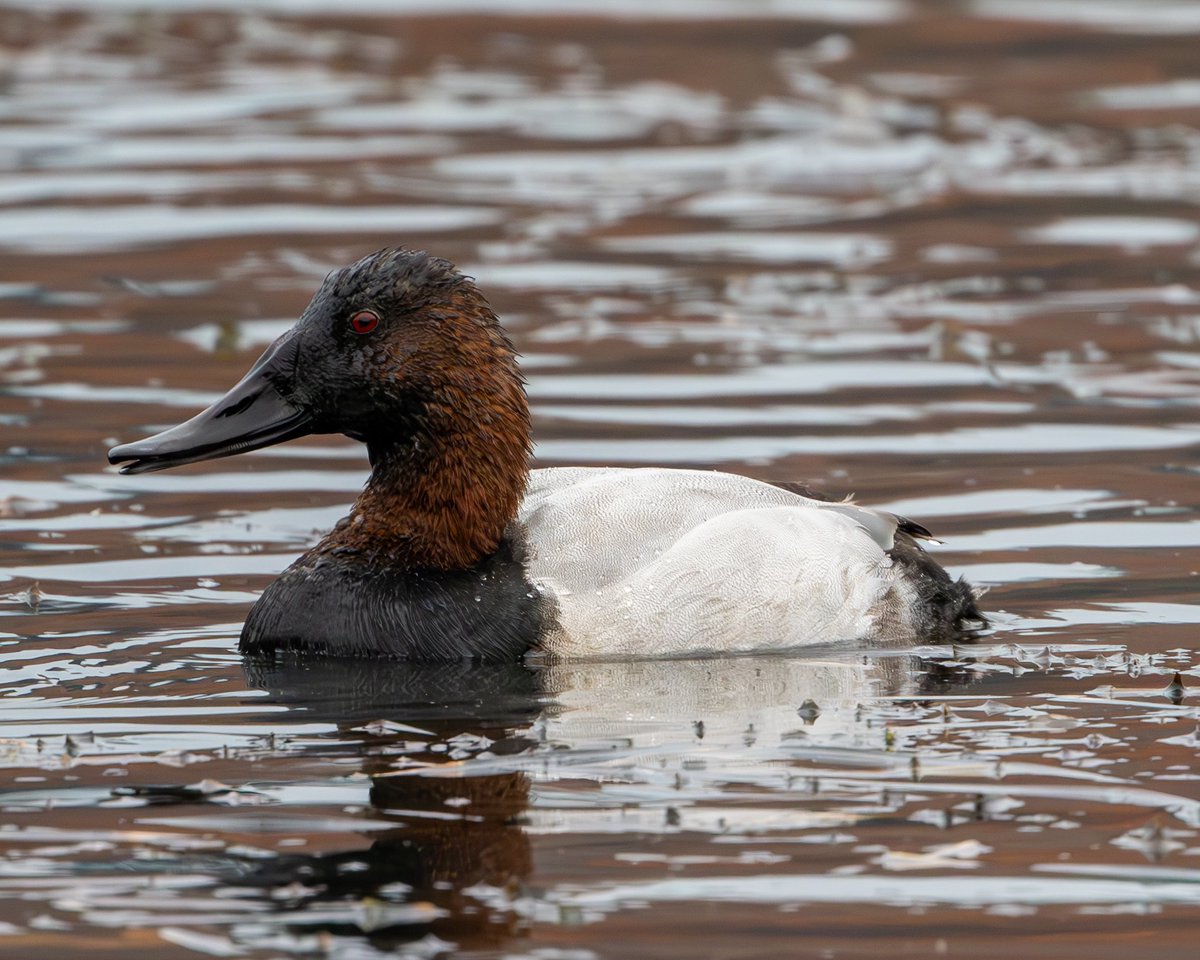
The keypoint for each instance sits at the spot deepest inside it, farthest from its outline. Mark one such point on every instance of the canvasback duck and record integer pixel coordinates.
(455, 549)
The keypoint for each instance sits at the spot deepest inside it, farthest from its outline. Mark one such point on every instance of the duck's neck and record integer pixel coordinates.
(441, 497)
(442, 507)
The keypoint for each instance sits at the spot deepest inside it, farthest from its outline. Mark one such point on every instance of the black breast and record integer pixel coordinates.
(341, 606)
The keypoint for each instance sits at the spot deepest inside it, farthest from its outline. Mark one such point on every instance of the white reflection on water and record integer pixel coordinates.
(782, 159)
(1002, 502)
(77, 230)
(1119, 16)
(1105, 534)
(85, 521)
(242, 94)
(280, 481)
(89, 393)
(587, 114)
(1131, 613)
(1131, 232)
(845, 11)
(1024, 439)
(782, 379)
(299, 526)
(1148, 178)
(728, 416)
(897, 892)
(166, 568)
(990, 574)
(193, 150)
(851, 250)
(33, 187)
(542, 275)
(761, 209)
(1174, 94)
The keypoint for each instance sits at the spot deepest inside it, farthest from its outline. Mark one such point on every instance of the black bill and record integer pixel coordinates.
(252, 415)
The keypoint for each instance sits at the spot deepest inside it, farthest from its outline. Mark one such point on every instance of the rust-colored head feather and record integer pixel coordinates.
(445, 418)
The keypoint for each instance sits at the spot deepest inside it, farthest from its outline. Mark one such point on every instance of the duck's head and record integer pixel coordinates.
(398, 350)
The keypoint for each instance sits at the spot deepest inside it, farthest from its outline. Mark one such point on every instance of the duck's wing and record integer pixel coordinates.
(601, 521)
(903, 524)
(804, 490)
(662, 561)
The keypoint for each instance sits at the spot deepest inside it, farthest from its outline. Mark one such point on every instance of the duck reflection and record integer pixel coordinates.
(455, 831)
(460, 851)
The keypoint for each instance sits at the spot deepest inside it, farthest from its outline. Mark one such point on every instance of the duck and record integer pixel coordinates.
(455, 549)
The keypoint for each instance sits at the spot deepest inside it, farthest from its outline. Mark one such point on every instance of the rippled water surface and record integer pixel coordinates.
(942, 255)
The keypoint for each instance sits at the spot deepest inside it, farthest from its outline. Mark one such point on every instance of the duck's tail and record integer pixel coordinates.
(946, 608)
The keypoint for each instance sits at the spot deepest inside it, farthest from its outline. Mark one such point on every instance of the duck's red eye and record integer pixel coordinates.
(364, 321)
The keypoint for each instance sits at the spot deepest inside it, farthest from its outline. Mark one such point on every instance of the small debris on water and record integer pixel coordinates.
(1175, 690)
(33, 596)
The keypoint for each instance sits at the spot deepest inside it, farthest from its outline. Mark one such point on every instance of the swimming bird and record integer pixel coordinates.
(455, 549)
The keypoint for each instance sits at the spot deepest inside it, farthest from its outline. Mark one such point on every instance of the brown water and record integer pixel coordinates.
(942, 255)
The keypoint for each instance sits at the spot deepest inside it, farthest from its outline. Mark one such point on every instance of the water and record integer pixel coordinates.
(945, 256)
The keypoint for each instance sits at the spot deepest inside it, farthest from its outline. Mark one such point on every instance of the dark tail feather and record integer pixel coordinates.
(949, 607)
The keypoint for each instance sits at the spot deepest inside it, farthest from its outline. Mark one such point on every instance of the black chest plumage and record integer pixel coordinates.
(340, 606)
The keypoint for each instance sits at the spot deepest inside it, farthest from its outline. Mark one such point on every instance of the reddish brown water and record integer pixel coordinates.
(943, 255)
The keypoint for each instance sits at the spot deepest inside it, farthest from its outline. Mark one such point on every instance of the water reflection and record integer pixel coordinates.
(487, 750)
(458, 785)
(452, 830)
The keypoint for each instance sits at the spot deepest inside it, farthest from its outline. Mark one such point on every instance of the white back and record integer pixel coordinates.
(659, 562)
